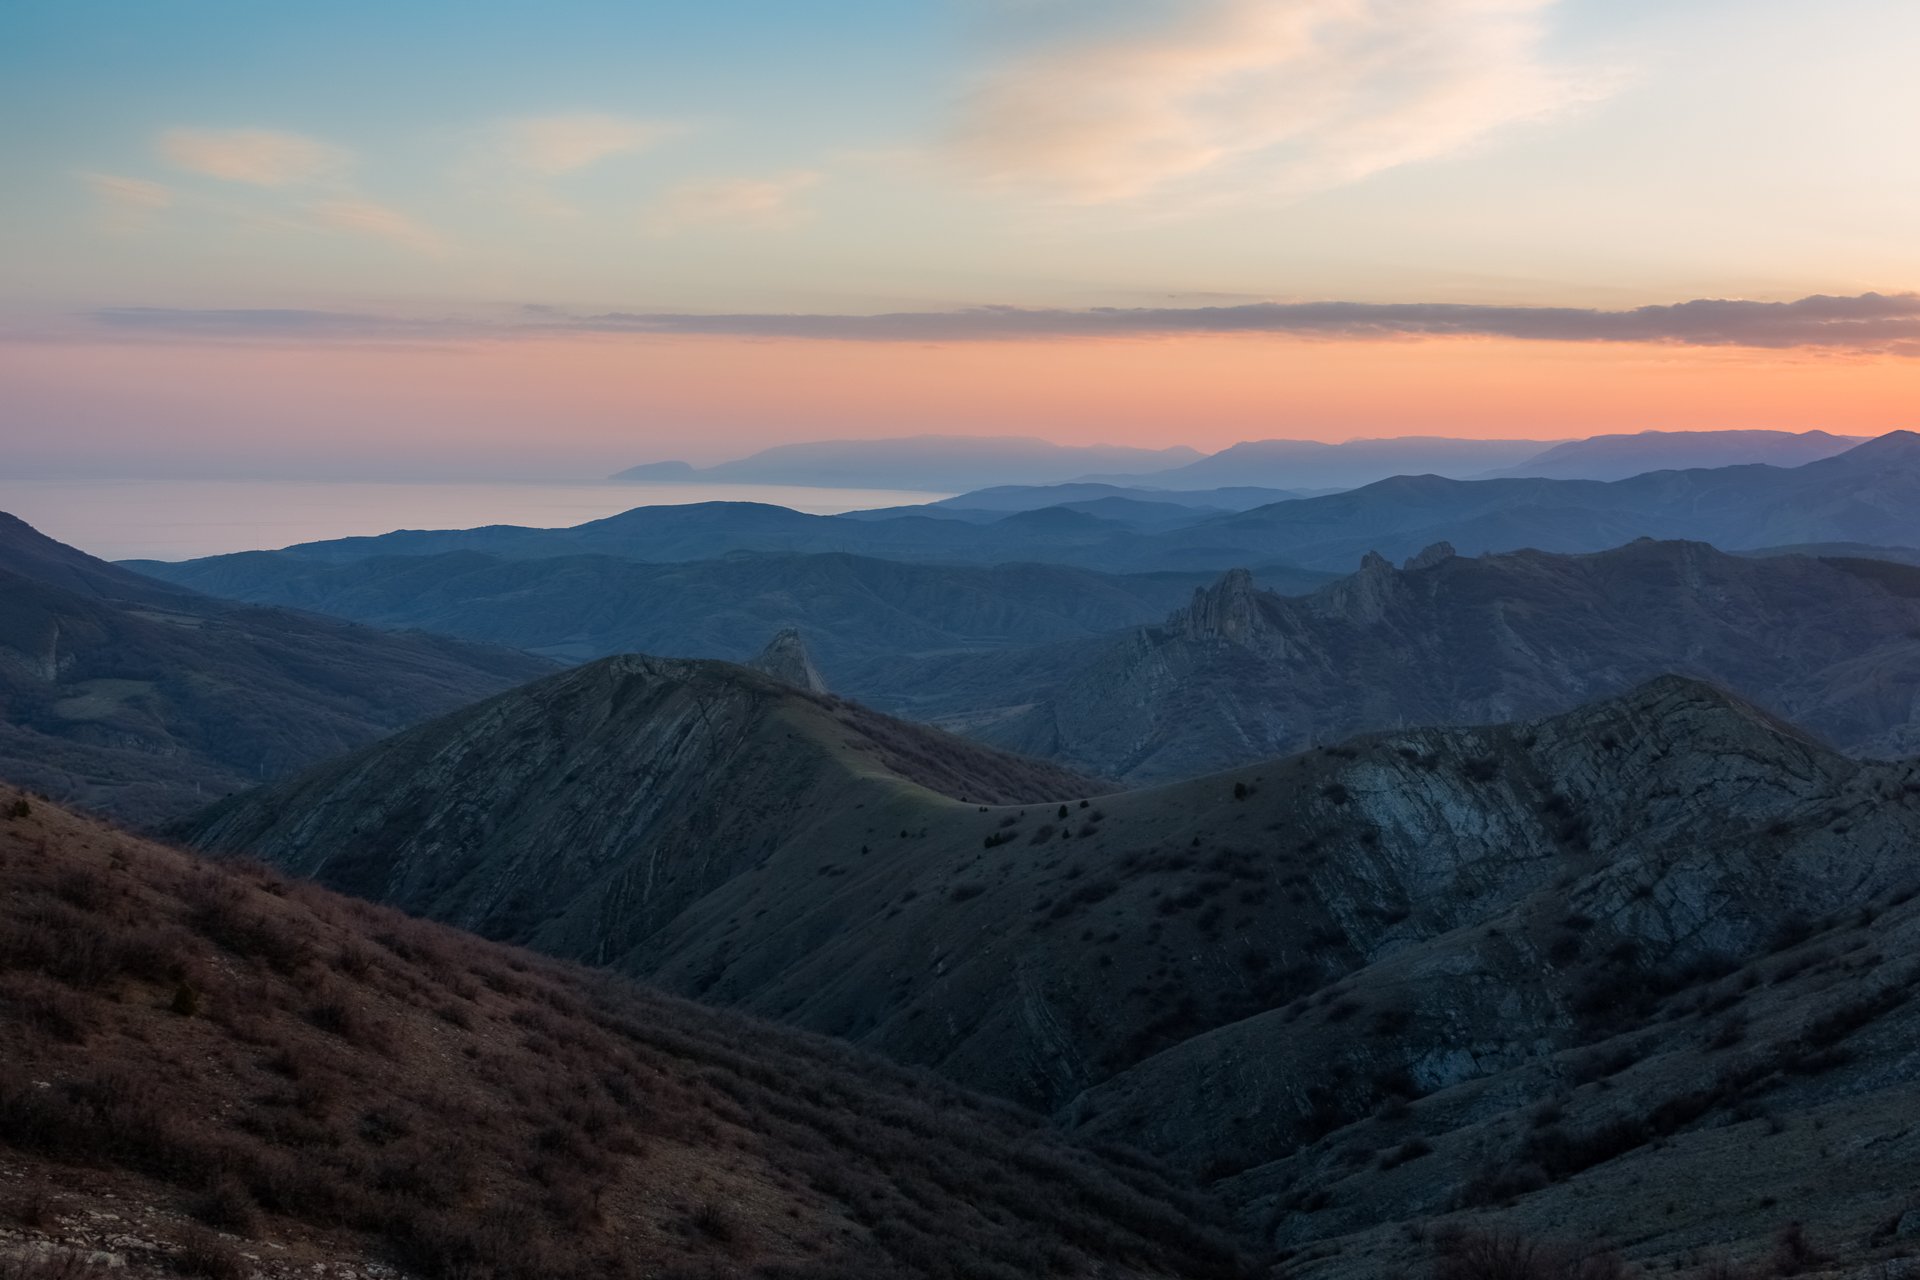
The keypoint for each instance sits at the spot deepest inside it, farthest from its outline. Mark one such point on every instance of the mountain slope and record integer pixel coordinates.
(1364, 970)
(216, 1072)
(1241, 674)
(580, 813)
(145, 700)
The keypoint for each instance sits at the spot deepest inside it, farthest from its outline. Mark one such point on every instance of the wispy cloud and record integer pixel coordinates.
(257, 157)
(1865, 323)
(758, 202)
(1264, 97)
(125, 204)
(560, 144)
(365, 218)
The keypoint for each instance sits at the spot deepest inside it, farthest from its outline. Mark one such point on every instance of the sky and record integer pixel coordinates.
(446, 239)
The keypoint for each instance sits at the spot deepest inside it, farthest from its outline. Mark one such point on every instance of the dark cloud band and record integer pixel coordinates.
(1869, 322)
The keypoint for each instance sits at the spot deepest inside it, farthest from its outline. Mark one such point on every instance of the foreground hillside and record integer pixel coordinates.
(1241, 674)
(215, 1072)
(1423, 973)
(132, 697)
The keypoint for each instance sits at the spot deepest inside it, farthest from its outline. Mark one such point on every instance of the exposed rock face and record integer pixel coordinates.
(1229, 610)
(1833, 644)
(785, 658)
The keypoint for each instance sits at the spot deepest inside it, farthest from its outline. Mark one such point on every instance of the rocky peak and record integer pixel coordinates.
(1429, 557)
(1362, 597)
(1228, 610)
(785, 658)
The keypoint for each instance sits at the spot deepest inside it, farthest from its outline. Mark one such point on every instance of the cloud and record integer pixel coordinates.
(1867, 323)
(554, 145)
(258, 157)
(130, 193)
(239, 321)
(755, 202)
(363, 217)
(124, 204)
(1230, 98)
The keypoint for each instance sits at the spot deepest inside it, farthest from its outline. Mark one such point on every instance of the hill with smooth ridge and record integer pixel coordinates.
(145, 700)
(580, 813)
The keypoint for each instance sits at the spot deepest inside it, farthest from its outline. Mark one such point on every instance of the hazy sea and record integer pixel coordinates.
(179, 519)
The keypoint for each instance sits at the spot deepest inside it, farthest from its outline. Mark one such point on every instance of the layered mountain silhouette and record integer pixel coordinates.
(220, 1073)
(1868, 494)
(145, 700)
(1570, 964)
(1616, 457)
(947, 463)
(1833, 643)
(853, 610)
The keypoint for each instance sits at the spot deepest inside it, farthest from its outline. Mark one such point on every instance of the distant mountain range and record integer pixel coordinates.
(1403, 976)
(933, 463)
(1869, 494)
(1241, 674)
(957, 463)
(1617, 457)
(143, 700)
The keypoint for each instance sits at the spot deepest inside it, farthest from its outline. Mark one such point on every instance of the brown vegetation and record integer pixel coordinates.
(343, 1072)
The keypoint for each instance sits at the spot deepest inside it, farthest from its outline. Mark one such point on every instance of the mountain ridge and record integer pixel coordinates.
(144, 699)
(1832, 643)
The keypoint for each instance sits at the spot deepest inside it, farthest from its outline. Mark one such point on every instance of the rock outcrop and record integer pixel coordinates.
(786, 659)
(1830, 643)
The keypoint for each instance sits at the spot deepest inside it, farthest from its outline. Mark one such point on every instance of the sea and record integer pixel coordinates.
(182, 519)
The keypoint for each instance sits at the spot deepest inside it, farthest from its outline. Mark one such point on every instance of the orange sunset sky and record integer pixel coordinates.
(361, 242)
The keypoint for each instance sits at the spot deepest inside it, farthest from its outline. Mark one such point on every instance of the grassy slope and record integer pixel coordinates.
(322, 1079)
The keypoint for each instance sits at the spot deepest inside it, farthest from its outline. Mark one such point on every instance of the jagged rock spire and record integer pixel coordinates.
(1228, 610)
(785, 658)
